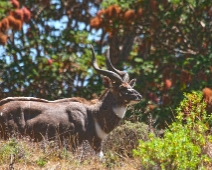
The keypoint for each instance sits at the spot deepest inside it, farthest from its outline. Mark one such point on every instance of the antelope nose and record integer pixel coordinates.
(139, 97)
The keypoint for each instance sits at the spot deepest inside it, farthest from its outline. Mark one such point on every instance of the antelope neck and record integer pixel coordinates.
(113, 104)
(119, 111)
(111, 111)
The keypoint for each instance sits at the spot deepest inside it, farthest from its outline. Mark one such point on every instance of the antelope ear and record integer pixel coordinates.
(132, 82)
(106, 82)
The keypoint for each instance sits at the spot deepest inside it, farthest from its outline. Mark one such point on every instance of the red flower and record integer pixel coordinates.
(167, 84)
(129, 15)
(140, 12)
(18, 14)
(27, 14)
(14, 23)
(113, 11)
(101, 13)
(50, 61)
(4, 24)
(96, 22)
(15, 3)
(207, 94)
(3, 39)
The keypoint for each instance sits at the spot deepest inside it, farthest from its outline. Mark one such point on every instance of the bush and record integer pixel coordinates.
(125, 138)
(184, 142)
(121, 141)
(12, 147)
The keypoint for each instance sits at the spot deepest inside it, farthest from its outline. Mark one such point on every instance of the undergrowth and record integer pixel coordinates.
(185, 145)
(50, 155)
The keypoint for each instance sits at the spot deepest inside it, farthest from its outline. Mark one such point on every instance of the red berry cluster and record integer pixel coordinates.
(105, 18)
(15, 19)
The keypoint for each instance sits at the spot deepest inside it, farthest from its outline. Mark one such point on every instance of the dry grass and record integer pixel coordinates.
(63, 165)
(49, 155)
(20, 153)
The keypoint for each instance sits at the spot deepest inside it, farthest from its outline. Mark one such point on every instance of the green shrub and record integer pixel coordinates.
(121, 141)
(182, 146)
(41, 162)
(125, 138)
(12, 147)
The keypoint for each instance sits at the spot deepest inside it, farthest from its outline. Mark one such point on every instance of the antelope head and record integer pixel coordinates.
(118, 82)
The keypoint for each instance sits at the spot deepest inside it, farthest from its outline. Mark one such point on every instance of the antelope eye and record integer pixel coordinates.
(124, 91)
(123, 88)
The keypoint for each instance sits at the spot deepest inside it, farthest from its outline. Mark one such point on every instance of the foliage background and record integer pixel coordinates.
(165, 44)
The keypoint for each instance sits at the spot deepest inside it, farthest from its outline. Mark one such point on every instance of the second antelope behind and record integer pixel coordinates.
(91, 121)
